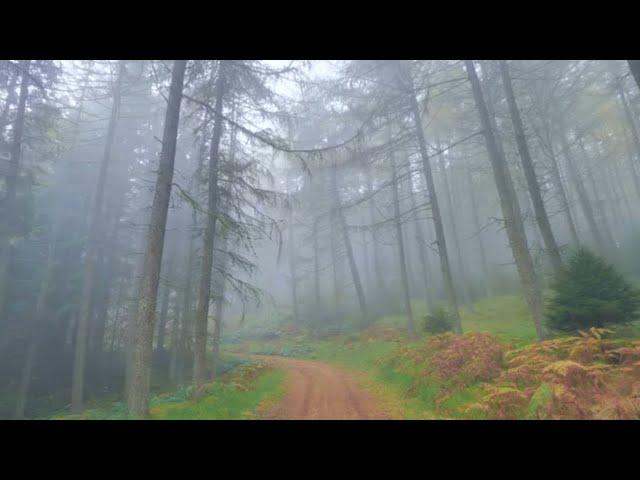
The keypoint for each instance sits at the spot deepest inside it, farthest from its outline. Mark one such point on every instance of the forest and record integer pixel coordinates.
(319, 239)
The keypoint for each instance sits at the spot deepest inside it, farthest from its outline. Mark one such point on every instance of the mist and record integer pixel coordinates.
(156, 216)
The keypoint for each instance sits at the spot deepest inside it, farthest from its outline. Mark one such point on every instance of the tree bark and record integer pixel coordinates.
(435, 211)
(333, 239)
(292, 260)
(404, 279)
(582, 193)
(557, 180)
(598, 201)
(179, 353)
(422, 249)
(204, 293)
(353, 267)
(164, 308)
(462, 280)
(316, 265)
(634, 66)
(82, 330)
(529, 172)
(631, 120)
(479, 234)
(377, 261)
(138, 395)
(115, 323)
(11, 99)
(510, 208)
(220, 299)
(110, 261)
(631, 164)
(8, 227)
(36, 327)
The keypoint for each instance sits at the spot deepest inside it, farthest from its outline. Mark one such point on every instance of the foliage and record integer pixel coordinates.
(238, 395)
(236, 398)
(571, 377)
(460, 359)
(440, 320)
(577, 377)
(588, 292)
(506, 316)
(440, 377)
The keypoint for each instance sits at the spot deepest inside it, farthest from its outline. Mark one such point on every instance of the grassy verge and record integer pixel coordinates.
(411, 389)
(241, 394)
(226, 400)
(366, 358)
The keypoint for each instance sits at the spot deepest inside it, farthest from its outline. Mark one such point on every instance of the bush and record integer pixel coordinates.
(588, 292)
(438, 321)
(456, 359)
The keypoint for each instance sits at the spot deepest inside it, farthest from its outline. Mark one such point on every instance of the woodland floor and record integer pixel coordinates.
(318, 391)
(496, 370)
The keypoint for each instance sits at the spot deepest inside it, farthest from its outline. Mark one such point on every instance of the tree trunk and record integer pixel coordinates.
(411, 328)
(175, 342)
(631, 164)
(10, 100)
(529, 172)
(8, 221)
(79, 362)
(204, 293)
(462, 277)
(479, 234)
(292, 259)
(138, 395)
(316, 265)
(422, 249)
(582, 193)
(435, 211)
(337, 287)
(109, 264)
(164, 308)
(129, 332)
(179, 353)
(631, 120)
(403, 202)
(510, 208)
(624, 198)
(598, 201)
(220, 298)
(243, 314)
(25, 381)
(36, 328)
(557, 180)
(347, 242)
(634, 66)
(377, 261)
(115, 323)
(365, 259)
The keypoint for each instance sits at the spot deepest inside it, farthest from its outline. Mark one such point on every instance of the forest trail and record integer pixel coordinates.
(318, 391)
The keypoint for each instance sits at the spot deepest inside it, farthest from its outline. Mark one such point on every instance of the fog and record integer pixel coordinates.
(154, 211)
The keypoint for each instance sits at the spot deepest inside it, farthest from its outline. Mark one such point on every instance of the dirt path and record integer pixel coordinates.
(317, 391)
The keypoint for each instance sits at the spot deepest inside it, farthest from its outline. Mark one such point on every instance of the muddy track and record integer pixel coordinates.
(317, 391)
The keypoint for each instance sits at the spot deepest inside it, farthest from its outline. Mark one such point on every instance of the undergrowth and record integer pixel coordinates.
(496, 369)
(239, 394)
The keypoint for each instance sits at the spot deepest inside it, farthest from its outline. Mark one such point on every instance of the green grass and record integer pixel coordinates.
(506, 316)
(232, 399)
(225, 401)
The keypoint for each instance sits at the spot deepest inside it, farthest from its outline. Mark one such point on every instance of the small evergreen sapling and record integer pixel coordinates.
(588, 292)
(440, 320)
